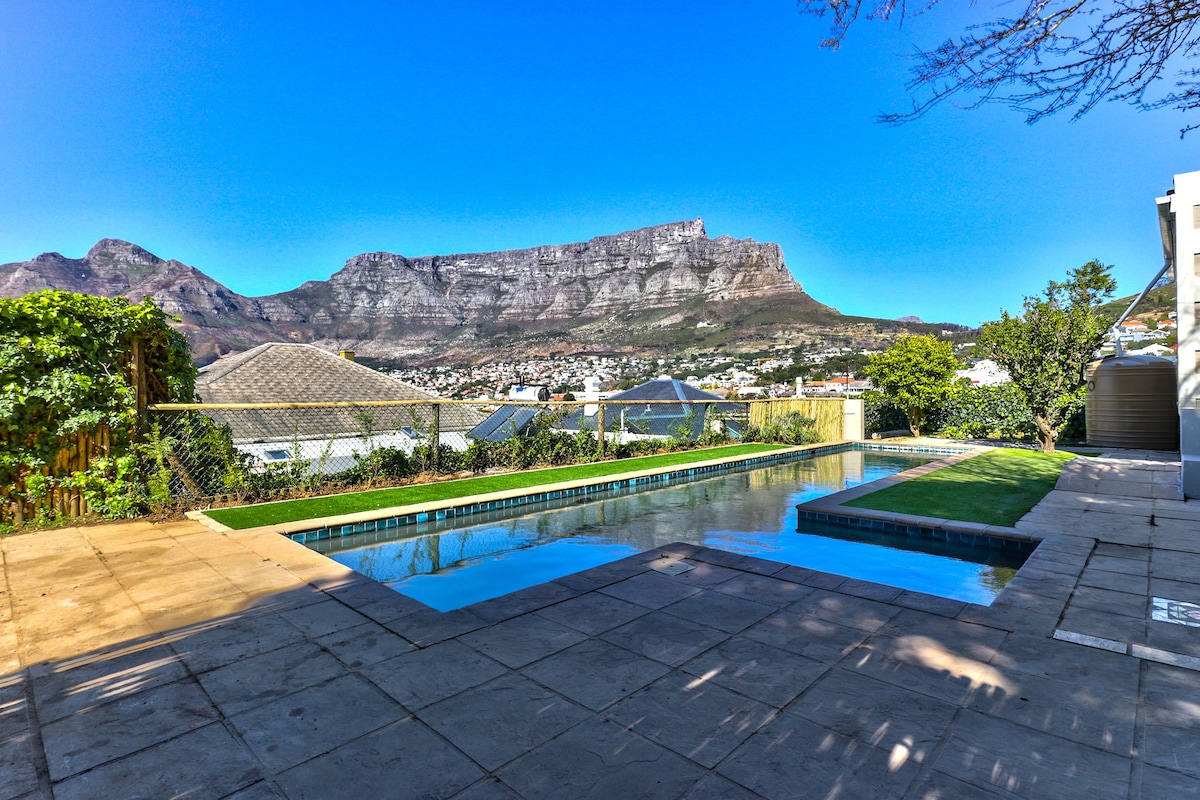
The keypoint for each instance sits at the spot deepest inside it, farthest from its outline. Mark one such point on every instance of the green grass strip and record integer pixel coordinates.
(355, 502)
(996, 488)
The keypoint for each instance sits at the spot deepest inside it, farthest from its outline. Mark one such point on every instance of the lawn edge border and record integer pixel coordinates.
(433, 506)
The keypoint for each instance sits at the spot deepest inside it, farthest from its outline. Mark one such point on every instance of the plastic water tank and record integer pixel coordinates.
(1132, 401)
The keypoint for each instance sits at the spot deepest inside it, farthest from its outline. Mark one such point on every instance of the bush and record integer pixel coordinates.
(880, 414)
(984, 412)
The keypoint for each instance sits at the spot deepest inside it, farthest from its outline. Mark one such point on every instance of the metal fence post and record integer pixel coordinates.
(601, 442)
(435, 454)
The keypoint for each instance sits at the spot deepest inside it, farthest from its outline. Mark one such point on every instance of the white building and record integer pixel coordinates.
(1179, 223)
(984, 373)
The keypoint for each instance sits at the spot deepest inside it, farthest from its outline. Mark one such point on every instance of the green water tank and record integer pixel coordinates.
(1132, 402)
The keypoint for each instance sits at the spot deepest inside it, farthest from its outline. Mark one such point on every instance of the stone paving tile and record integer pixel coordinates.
(706, 575)
(19, 755)
(1069, 663)
(997, 754)
(1114, 602)
(304, 724)
(1124, 566)
(921, 665)
(258, 791)
(1101, 579)
(665, 638)
(123, 726)
(1175, 565)
(502, 720)
(763, 589)
(521, 602)
(855, 612)
(919, 601)
(720, 611)
(1172, 688)
(1080, 714)
(819, 580)
(364, 645)
(596, 673)
(795, 574)
(1187, 591)
(807, 635)
(869, 590)
(934, 785)
(67, 688)
(756, 670)
(791, 757)
(426, 626)
(651, 590)
(406, 756)
(321, 619)
(1171, 739)
(490, 788)
(204, 763)
(759, 566)
(432, 674)
(714, 787)
(225, 641)
(523, 640)
(979, 641)
(592, 613)
(1104, 624)
(885, 716)
(1157, 782)
(253, 681)
(598, 760)
(1174, 638)
(696, 719)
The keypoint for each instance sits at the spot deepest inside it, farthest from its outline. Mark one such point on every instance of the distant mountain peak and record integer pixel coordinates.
(917, 320)
(121, 251)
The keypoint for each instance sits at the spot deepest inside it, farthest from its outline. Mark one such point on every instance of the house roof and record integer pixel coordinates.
(504, 422)
(279, 372)
(283, 372)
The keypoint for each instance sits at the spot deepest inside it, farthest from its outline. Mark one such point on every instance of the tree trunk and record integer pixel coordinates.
(914, 423)
(1046, 434)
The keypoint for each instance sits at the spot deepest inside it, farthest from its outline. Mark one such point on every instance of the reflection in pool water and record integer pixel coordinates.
(448, 565)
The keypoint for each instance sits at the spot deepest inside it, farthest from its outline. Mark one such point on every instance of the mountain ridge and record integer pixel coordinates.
(656, 287)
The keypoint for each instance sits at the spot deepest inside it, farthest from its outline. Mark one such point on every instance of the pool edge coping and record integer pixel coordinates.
(434, 506)
(831, 505)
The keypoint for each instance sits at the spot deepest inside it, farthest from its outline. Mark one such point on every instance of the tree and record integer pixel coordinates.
(1047, 349)
(1052, 55)
(916, 374)
(65, 368)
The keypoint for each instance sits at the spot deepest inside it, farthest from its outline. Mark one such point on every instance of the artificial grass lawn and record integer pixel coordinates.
(354, 502)
(996, 488)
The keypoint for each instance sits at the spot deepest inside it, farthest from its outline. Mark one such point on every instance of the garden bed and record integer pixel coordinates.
(356, 502)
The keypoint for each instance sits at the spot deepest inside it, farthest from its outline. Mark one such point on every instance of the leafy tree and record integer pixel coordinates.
(1047, 349)
(65, 367)
(916, 374)
(1050, 55)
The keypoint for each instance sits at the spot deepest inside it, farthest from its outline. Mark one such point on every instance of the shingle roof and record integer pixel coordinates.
(282, 372)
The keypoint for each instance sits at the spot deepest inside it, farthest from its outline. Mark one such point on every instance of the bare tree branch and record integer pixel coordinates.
(1053, 56)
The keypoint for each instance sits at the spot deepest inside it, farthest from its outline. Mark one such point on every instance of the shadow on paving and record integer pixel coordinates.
(740, 678)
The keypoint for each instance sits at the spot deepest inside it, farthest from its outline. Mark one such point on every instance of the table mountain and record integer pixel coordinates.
(663, 286)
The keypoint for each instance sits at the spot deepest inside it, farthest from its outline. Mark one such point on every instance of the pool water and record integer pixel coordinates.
(451, 564)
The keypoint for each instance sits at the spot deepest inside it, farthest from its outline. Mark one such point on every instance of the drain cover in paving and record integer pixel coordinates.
(1176, 611)
(669, 566)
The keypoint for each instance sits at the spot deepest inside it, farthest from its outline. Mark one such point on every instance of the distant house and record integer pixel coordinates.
(984, 372)
(840, 387)
(624, 421)
(328, 438)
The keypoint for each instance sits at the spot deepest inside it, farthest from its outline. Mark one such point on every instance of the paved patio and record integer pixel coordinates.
(143, 660)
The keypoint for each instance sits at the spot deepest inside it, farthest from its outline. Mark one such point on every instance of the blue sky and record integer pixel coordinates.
(266, 143)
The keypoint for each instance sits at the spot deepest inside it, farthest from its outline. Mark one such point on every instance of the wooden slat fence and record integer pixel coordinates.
(827, 411)
(74, 455)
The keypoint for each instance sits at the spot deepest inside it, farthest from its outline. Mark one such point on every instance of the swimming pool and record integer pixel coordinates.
(449, 564)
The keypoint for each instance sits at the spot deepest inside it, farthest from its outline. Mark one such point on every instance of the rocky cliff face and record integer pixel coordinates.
(385, 304)
(215, 319)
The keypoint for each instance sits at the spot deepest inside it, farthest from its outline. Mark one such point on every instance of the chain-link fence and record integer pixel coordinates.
(197, 454)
